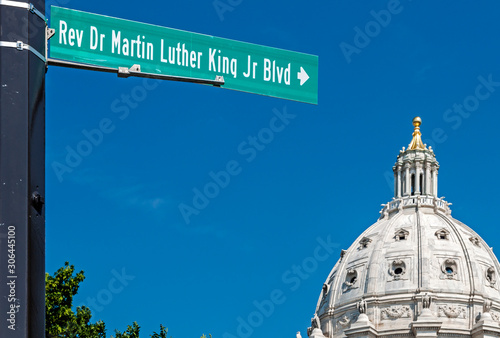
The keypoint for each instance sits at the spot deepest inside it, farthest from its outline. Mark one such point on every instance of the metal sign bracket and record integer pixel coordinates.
(135, 70)
(49, 32)
(19, 45)
(29, 6)
(126, 72)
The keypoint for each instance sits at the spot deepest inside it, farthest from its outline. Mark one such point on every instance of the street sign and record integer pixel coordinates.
(106, 41)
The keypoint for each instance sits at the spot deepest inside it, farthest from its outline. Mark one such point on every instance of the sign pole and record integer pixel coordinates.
(22, 168)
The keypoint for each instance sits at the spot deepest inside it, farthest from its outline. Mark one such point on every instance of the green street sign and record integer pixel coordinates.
(111, 42)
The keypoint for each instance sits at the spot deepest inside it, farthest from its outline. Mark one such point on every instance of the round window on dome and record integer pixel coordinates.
(491, 278)
(449, 268)
(397, 268)
(351, 277)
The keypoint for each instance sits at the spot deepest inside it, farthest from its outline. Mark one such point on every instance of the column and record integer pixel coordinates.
(427, 180)
(398, 194)
(396, 183)
(407, 180)
(435, 182)
(418, 171)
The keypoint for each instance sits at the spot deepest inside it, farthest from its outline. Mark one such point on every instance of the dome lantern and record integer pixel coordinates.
(416, 168)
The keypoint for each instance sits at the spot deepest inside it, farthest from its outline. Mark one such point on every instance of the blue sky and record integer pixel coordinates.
(259, 250)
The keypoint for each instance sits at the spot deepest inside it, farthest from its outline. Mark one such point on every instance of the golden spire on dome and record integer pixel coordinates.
(416, 142)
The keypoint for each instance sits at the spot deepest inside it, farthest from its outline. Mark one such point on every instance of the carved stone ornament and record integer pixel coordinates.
(395, 312)
(475, 241)
(487, 306)
(397, 269)
(490, 276)
(315, 322)
(495, 316)
(363, 243)
(345, 321)
(361, 305)
(401, 235)
(324, 293)
(351, 278)
(449, 269)
(342, 254)
(442, 234)
(326, 288)
(451, 311)
(426, 301)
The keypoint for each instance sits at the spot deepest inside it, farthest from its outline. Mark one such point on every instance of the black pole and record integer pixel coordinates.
(22, 169)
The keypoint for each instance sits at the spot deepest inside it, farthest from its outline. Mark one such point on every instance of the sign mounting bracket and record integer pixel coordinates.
(135, 70)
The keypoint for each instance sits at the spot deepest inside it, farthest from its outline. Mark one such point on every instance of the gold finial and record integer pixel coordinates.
(416, 142)
(417, 121)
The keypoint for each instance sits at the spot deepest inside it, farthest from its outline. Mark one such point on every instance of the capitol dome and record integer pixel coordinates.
(416, 272)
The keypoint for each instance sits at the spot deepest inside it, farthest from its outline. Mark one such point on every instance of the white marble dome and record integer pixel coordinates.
(416, 272)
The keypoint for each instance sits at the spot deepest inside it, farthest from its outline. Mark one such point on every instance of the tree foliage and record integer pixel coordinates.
(60, 319)
(62, 322)
(131, 332)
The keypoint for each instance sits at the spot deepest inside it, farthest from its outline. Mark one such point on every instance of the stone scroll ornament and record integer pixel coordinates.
(451, 311)
(395, 312)
(495, 316)
(345, 322)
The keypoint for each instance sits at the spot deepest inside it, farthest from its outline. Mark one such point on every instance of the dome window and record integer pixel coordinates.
(401, 235)
(397, 269)
(364, 242)
(351, 277)
(342, 254)
(442, 234)
(491, 278)
(326, 287)
(325, 290)
(449, 268)
(475, 241)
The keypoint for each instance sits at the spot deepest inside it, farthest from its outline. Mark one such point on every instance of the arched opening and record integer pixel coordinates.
(412, 184)
(421, 184)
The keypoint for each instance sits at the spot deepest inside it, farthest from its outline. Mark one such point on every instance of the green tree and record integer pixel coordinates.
(163, 333)
(62, 322)
(60, 319)
(131, 332)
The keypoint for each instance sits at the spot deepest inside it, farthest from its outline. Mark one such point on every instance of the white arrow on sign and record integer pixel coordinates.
(302, 76)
